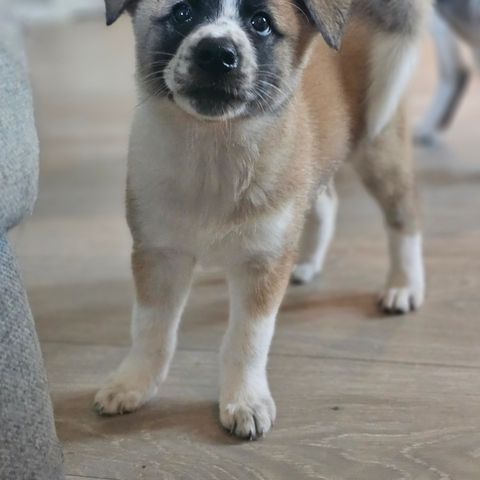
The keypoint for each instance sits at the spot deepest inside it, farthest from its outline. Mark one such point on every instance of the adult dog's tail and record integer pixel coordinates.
(399, 26)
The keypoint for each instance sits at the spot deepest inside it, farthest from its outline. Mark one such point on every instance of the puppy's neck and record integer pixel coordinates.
(247, 131)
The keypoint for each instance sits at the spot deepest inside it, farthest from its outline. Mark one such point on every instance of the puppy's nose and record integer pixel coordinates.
(216, 56)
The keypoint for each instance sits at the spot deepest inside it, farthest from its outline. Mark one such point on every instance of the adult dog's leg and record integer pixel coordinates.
(476, 52)
(387, 169)
(453, 76)
(256, 287)
(317, 235)
(162, 280)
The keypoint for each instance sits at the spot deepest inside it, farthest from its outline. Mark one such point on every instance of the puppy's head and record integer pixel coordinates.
(220, 59)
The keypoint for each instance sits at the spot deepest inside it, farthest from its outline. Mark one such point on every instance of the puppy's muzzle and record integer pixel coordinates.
(216, 82)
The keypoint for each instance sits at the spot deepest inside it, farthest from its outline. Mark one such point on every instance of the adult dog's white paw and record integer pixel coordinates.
(304, 273)
(119, 397)
(399, 301)
(425, 137)
(250, 419)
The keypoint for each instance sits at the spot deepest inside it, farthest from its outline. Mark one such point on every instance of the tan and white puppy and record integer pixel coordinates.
(246, 112)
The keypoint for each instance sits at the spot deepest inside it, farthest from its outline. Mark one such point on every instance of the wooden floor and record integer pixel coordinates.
(360, 396)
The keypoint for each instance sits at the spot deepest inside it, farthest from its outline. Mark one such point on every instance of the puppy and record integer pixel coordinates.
(451, 17)
(246, 111)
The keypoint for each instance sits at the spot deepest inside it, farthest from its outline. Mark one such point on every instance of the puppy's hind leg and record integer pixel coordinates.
(386, 167)
(162, 280)
(317, 235)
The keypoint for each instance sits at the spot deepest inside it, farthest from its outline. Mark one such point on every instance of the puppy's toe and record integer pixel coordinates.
(304, 273)
(249, 421)
(399, 301)
(117, 399)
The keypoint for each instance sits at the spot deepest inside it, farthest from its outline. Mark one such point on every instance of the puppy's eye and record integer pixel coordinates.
(261, 24)
(182, 12)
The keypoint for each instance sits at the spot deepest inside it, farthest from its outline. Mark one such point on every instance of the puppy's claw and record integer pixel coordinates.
(259, 433)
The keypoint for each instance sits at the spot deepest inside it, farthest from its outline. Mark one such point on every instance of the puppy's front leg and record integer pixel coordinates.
(256, 287)
(162, 280)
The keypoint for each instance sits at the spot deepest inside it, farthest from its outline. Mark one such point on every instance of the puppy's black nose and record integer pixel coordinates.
(216, 56)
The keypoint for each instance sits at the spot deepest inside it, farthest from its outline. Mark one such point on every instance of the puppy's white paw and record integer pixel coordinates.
(304, 273)
(123, 396)
(405, 290)
(248, 419)
(402, 300)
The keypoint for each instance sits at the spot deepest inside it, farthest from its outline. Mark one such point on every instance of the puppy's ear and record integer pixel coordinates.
(330, 18)
(115, 8)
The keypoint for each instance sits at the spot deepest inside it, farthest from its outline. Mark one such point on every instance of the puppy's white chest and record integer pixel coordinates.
(188, 189)
(197, 172)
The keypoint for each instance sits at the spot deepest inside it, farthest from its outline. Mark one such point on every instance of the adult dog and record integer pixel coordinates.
(452, 17)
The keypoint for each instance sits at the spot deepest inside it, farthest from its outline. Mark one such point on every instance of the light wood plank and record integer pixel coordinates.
(83, 477)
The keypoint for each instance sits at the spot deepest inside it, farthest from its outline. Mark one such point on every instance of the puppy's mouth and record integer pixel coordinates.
(213, 101)
(213, 95)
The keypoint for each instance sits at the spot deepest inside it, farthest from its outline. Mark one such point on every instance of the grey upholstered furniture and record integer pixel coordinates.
(29, 449)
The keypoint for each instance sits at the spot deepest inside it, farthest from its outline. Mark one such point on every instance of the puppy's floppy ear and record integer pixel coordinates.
(115, 8)
(330, 18)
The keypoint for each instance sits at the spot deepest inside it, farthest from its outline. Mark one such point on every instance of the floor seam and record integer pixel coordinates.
(294, 355)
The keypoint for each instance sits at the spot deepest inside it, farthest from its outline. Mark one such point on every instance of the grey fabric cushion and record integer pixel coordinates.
(29, 449)
(18, 138)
